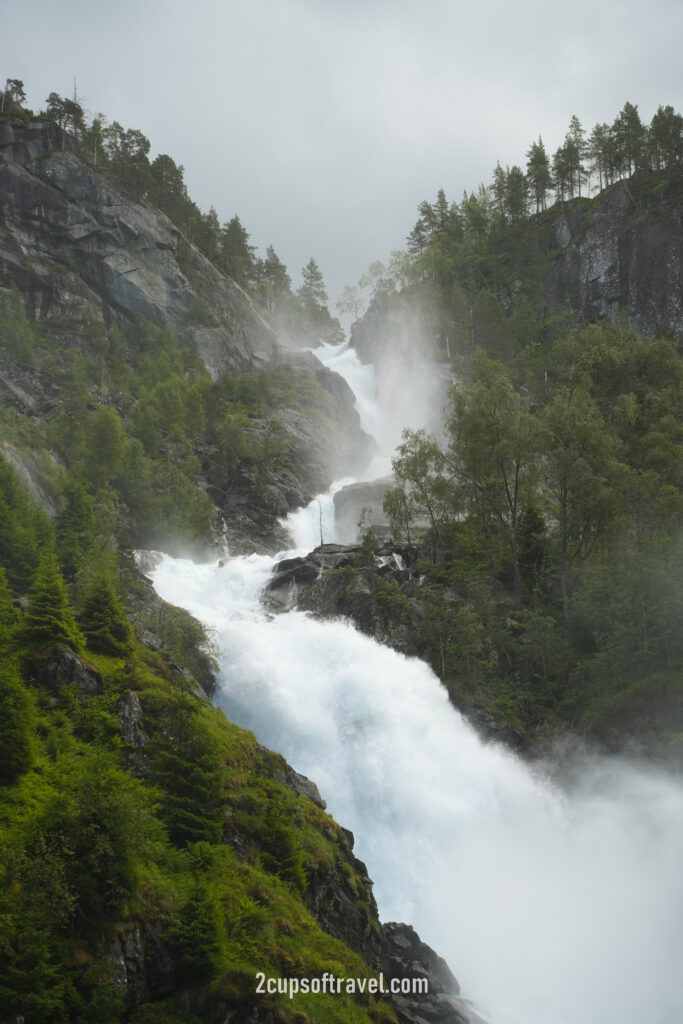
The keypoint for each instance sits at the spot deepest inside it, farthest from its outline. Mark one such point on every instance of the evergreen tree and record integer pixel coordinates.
(186, 767)
(575, 144)
(538, 173)
(103, 619)
(13, 96)
(441, 212)
(24, 529)
(601, 154)
(273, 282)
(237, 254)
(312, 292)
(16, 724)
(313, 298)
(9, 616)
(516, 194)
(195, 936)
(49, 619)
(562, 178)
(167, 187)
(665, 139)
(418, 239)
(498, 188)
(75, 528)
(105, 446)
(629, 136)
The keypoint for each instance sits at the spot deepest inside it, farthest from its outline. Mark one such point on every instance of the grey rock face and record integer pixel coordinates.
(131, 720)
(302, 785)
(143, 968)
(72, 241)
(621, 254)
(59, 666)
(291, 576)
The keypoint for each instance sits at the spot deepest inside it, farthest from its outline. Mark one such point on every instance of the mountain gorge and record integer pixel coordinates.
(155, 857)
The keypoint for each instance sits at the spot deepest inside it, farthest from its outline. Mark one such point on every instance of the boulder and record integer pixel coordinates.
(59, 666)
(300, 784)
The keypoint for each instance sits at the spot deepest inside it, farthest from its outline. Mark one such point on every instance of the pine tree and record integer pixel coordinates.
(16, 725)
(9, 615)
(538, 173)
(498, 188)
(665, 139)
(600, 152)
(629, 135)
(103, 619)
(49, 619)
(237, 254)
(75, 528)
(312, 292)
(575, 146)
(516, 194)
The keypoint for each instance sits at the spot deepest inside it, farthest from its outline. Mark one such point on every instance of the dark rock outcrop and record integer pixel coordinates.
(406, 958)
(292, 576)
(620, 254)
(143, 967)
(59, 666)
(131, 725)
(299, 784)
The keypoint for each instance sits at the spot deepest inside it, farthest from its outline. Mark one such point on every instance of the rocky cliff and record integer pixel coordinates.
(72, 241)
(620, 254)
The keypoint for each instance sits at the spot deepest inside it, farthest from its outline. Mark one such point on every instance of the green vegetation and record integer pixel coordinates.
(547, 527)
(136, 418)
(185, 841)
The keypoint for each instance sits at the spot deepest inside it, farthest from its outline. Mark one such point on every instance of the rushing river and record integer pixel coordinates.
(554, 904)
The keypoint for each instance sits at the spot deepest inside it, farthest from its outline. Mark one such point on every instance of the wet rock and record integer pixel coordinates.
(142, 966)
(342, 903)
(406, 956)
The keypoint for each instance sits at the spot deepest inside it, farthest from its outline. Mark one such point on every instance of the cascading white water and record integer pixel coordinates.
(360, 378)
(553, 904)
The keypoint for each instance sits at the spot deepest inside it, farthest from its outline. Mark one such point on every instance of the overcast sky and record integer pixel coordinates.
(323, 123)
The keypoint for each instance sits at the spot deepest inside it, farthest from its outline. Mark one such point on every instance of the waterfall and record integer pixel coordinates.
(555, 902)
